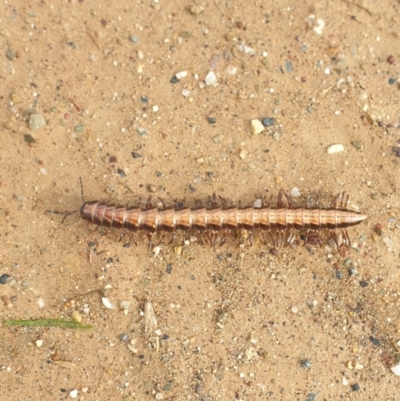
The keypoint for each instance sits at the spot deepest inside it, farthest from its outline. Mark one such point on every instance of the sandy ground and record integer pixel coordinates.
(84, 84)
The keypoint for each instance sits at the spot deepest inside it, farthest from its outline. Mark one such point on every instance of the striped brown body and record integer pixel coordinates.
(219, 218)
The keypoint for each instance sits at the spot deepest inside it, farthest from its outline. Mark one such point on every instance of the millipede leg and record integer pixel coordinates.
(334, 201)
(149, 203)
(162, 202)
(161, 240)
(263, 237)
(151, 243)
(283, 195)
(264, 203)
(223, 202)
(214, 200)
(225, 236)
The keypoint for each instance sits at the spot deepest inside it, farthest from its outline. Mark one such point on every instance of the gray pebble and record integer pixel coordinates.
(36, 121)
(134, 38)
(10, 55)
(124, 337)
(268, 121)
(4, 278)
(79, 128)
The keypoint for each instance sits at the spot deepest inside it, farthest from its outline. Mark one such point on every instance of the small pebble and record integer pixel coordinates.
(218, 138)
(320, 26)
(311, 397)
(136, 155)
(142, 132)
(355, 387)
(152, 188)
(107, 303)
(295, 192)
(256, 127)
(73, 394)
(178, 250)
(186, 93)
(39, 343)
(268, 121)
(242, 154)
(121, 173)
(40, 302)
(396, 370)
(181, 74)
(211, 120)
(294, 309)
(375, 341)
(391, 59)
(257, 203)
(392, 81)
(231, 70)
(79, 128)
(10, 55)
(36, 121)
(76, 316)
(211, 79)
(124, 304)
(124, 337)
(133, 38)
(4, 277)
(28, 138)
(336, 148)
(174, 80)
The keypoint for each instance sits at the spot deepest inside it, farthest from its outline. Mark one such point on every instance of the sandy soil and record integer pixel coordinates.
(231, 323)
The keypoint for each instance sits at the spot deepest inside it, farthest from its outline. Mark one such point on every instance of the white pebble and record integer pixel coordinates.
(181, 74)
(73, 394)
(295, 192)
(43, 171)
(124, 304)
(320, 26)
(40, 302)
(231, 69)
(155, 108)
(159, 396)
(336, 148)
(156, 250)
(242, 154)
(256, 127)
(396, 370)
(294, 309)
(107, 303)
(186, 93)
(211, 79)
(257, 203)
(39, 343)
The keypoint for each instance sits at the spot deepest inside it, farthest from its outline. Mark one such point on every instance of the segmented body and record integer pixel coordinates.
(280, 222)
(218, 218)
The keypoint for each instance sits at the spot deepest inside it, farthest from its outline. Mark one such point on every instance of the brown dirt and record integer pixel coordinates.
(234, 323)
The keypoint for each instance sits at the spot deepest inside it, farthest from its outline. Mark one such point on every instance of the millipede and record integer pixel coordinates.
(282, 224)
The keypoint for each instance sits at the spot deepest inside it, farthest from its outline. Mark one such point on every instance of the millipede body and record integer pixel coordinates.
(185, 219)
(222, 218)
